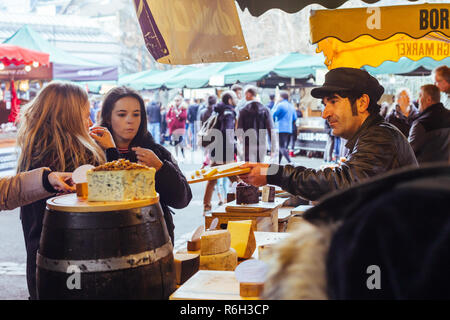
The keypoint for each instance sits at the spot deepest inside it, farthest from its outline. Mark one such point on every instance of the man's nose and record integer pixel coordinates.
(326, 112)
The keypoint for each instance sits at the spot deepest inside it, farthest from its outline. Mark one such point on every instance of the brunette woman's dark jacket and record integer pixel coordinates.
(171, 184)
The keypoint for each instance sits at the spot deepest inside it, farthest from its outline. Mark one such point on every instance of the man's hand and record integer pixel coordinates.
(257, 175)
(62, 181)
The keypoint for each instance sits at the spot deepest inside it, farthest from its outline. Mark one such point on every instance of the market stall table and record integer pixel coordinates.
(264, 215)
(204, 284)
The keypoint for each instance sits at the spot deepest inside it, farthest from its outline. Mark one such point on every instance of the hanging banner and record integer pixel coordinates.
(19, 73)
(78, 73)
(367, 51)
(380, 23)
(194, 31)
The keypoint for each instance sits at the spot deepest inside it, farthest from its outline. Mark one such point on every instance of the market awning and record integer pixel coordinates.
(405, 66)
(16, 55)
(201, 77)
(258, 7)
(65, 65)
(370, 36)
(127, 79)
(291, 65)
(159, 79)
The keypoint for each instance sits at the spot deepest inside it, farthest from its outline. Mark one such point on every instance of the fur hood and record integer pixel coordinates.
(297, 265)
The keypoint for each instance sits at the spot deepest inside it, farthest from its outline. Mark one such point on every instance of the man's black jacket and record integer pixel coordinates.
(377, 147)
(430, 134)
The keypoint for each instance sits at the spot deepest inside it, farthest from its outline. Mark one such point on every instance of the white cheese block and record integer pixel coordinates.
(121, 185)
(226, 261)
(214, 242)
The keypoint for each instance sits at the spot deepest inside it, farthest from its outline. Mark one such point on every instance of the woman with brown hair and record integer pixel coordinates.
(54, 133)
(123, 134)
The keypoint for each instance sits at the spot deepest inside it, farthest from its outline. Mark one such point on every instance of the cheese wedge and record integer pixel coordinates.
(242, 238)
(214, 242)
(194, 245)
(186, 265)
(226, 261)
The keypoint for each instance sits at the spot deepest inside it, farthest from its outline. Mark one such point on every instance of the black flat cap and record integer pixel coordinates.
(349, 79)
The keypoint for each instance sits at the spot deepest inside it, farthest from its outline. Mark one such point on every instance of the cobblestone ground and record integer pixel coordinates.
(12, 249)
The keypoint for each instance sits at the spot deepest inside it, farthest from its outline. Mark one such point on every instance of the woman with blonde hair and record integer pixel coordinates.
(54, 133)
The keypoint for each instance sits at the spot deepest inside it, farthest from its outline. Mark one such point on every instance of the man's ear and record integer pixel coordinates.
(363, 103)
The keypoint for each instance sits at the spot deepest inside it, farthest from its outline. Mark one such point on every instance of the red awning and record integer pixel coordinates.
(10, 54)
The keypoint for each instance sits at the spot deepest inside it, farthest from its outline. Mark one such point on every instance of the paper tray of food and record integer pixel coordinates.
(217, 172)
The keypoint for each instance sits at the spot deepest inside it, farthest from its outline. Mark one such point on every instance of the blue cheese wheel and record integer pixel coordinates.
(121, 185)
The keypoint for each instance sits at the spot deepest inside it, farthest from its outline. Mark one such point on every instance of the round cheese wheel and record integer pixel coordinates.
(214, 242)
(226, 261)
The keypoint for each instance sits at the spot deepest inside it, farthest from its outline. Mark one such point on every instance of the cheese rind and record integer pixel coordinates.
(242, 238)
(194, 245)
(226, 261)
(121, 185)
(251, 289)
(186, 265)
(214, 242)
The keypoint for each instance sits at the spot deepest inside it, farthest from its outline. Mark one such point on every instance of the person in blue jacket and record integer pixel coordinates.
(283, 116)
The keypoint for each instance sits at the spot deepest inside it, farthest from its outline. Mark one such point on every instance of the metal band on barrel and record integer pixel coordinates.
(109, 264)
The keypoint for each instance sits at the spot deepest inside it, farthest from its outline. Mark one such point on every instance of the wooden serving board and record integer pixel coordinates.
(300, 209)
(210, 285)
(219, 175)
(71, 203)
(217, 172)
(255, 207)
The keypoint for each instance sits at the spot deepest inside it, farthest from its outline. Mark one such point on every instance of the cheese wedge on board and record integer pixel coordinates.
(214, 242)
(226, 261)
(186, 265)
(242, 238)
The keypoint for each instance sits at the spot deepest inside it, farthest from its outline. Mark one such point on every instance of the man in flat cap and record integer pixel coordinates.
(350, 98)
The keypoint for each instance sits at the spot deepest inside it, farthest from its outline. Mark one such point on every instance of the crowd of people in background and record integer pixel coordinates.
(424, 120)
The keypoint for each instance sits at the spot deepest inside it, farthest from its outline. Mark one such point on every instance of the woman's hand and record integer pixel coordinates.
(62, 181)
(147, 157)
(103, 137)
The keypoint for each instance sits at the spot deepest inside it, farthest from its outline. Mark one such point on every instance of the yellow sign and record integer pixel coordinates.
(367, 51)
(194, 31)
(380, 22)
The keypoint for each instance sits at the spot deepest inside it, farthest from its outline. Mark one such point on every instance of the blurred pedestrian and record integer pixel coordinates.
(271, 103)
(254, 123)
(295, 129)
(284, 115)
(192, 123)
(442, 81)
(176, 123)
(153, 111)
(404, 111)
(430, 132)
(241, 100)
(224, 151)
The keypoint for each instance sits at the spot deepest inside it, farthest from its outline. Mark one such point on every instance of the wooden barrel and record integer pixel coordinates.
(104, 250)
